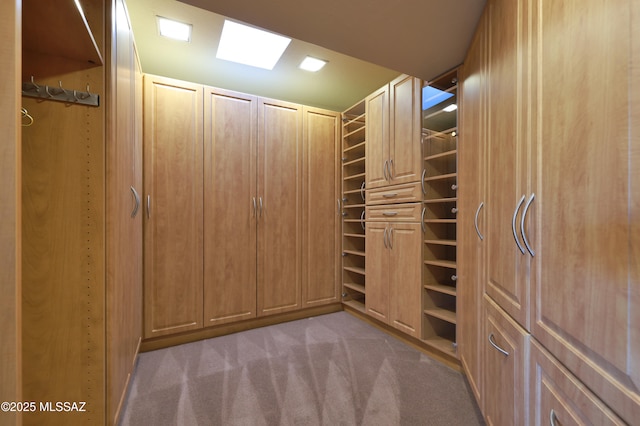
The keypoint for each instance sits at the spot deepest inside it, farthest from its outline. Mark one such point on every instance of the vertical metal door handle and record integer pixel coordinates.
(148, 206)
(255, 207)
(475, 221)
(338, 206)
(493, 343)
(385, 171)
(552, 418)
(391, 169)
(136, 199)
(362, 223)
(391, 238)
(362, 190)
(384, 238)
(424, 174)
(524, 217)
(513, 224)
(260, 198)
(424, 209)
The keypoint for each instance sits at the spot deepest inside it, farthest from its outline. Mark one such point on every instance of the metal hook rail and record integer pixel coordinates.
(60, 94)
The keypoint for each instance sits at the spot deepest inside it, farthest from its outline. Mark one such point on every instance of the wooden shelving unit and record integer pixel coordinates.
(353, 206)
(440, 180)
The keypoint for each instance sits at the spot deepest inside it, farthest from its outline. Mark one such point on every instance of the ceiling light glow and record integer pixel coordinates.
(173, 29)
(450, 108)
(250, 46)
(312, 64)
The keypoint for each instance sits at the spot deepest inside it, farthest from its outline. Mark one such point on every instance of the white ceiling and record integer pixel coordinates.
(367, 43)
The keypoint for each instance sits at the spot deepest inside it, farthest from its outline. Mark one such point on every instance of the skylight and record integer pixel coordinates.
(250, 46)
(174, 29)
(432, 96)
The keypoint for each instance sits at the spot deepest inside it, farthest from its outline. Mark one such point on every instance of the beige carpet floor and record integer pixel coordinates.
(328, 370)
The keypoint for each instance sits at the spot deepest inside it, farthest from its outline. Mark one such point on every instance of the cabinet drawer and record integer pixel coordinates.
(394, 213)
(557, 397)
(404, 193)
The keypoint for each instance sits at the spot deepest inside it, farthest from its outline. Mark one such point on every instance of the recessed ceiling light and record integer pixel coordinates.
(250, 46)
(174, 29)
(450, 108)
(312, 64)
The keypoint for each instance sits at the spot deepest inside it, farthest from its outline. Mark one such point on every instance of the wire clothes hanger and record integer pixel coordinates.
(28, 117)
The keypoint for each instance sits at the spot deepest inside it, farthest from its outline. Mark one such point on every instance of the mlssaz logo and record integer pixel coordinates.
(63, 406)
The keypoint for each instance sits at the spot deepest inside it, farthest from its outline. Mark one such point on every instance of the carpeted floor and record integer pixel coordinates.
(328, 370)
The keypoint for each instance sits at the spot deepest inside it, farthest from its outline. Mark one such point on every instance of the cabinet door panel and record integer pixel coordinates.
(279, 242)
(506, 158)
(586, 297)
(229, 216)
(405, 150)
(173, 229)
(377, 270)
(505, 373)
(377, 136)
(321, 220)
(405, 277)
(470, 284)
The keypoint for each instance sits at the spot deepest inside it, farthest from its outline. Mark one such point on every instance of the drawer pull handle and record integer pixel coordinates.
(390, 195)
(493, 343)
(390, 213)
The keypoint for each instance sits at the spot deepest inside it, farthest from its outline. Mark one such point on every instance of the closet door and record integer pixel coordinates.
(321, 215)
(230, 206)
(377, 136)
(377, 270)
(471, 212)
(279, 205)
(586, 304)
(507, 156)
(405, 149)
(173, 200)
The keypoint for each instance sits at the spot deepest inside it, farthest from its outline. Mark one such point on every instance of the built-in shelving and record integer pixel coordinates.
(353, 206)
(439, 139)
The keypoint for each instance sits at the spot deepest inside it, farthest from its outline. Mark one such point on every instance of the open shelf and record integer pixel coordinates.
(445, 289)
(442, 263)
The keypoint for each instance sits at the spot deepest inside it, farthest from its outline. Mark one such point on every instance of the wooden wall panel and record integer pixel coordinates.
(10, 208)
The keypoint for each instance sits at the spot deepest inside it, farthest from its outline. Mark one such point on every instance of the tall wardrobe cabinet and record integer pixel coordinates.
(241, 216)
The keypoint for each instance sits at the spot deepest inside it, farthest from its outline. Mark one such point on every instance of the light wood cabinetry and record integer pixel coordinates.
(507, 164)
(353, 161)
(586, 300)
(124, 212)
(81, 241)
(506, 364)
(173, 171)
(393, 133)
(557, 397)
(393, 244)
(321, 213)
(279, 206)
(230, 169)
(439, 183)
(471, 213)
(559, 217)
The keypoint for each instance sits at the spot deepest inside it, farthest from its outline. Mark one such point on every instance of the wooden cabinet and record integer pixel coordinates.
(230, 169)
(586, 300)
(471, 213)
(506, 357)
(279, 206)
(124, 211)
(559, 216)
(557, 397)
(507, 164)
(393, 133)
(173, 172)
(320, 211)
(394, 268)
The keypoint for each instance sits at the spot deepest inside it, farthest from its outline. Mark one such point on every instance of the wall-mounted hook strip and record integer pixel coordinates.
(60, 94)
